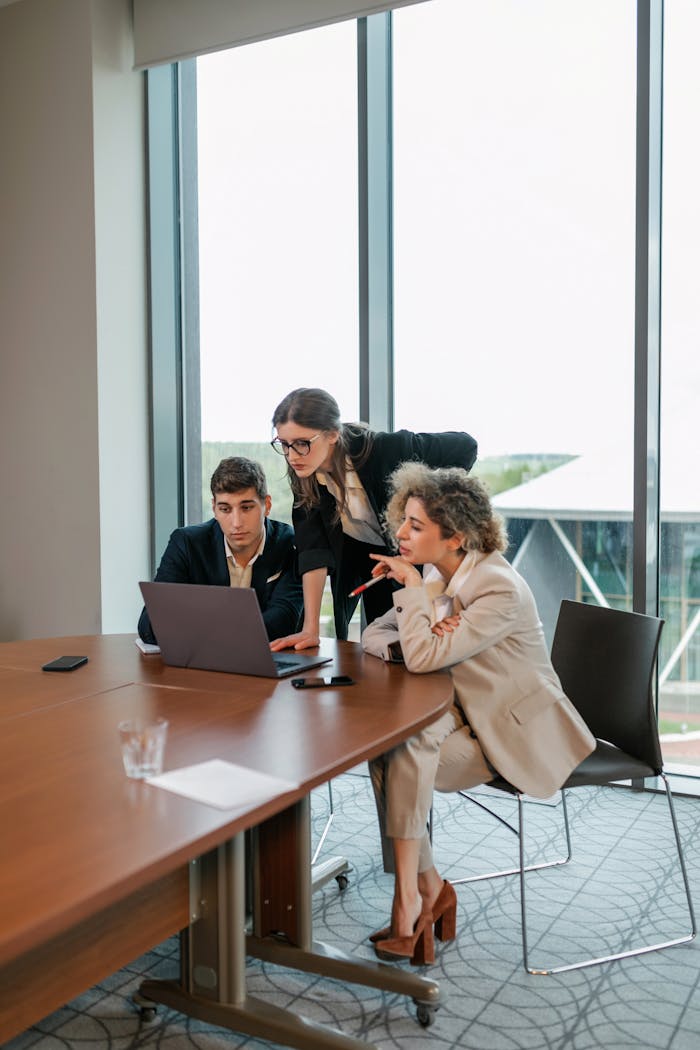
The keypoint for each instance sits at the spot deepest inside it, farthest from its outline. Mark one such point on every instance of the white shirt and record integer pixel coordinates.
(357, 517)
(241, 575)
(444, 597)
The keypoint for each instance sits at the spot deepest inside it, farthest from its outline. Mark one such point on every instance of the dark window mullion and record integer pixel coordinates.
(648, 307)
(165, 311)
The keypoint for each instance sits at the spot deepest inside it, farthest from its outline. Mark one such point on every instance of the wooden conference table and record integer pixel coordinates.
(96, 868)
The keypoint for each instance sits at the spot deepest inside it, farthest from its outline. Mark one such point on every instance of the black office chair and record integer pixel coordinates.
(605, 659)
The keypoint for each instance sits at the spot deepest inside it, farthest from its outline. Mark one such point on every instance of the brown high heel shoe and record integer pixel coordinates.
(445, 913)
(380, 935)
(419, 946)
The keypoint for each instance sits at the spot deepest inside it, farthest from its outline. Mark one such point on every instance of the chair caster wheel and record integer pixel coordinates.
(342, 881)
(425, 1014)
(146, 1008)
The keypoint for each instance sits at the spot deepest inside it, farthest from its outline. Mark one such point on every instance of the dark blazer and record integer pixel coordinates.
(321, 542)
(195, 554)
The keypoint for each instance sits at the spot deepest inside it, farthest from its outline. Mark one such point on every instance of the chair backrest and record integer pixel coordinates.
(605, 660)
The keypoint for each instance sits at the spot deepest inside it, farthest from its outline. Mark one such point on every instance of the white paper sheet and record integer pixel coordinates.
(146, 647)
(222, 784)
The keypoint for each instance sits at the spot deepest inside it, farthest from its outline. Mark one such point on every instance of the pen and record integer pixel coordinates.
(364, 586)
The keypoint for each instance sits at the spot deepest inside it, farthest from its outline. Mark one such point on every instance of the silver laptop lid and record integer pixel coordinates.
(216, 629)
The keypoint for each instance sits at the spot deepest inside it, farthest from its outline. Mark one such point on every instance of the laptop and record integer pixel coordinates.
(217, 629)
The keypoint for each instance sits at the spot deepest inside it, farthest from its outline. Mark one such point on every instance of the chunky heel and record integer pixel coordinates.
(424, 951)
(445, 913)
(446, 924)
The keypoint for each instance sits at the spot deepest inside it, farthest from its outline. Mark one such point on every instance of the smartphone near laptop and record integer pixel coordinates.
(327, 682)
(217, 629)
(65, 663)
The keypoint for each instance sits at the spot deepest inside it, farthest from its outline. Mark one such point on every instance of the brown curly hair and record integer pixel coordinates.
(453, 499)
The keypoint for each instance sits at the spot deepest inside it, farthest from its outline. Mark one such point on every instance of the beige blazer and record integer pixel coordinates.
(498, 659)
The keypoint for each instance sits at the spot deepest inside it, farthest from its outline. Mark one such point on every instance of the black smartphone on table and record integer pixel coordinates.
(65, 663)
(322, 683)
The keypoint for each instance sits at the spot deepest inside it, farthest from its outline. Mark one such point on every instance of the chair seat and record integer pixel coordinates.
(608, 763)
(604, 765)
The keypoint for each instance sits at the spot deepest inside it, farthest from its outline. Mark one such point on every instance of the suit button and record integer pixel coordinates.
(399, 608)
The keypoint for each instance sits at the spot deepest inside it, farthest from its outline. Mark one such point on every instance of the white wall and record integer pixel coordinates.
(73, 359)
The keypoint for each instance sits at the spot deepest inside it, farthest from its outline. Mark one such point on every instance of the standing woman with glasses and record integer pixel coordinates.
(338, 473)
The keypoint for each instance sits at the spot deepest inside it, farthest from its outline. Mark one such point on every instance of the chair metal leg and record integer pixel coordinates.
(487, 809)
(616, 955)
(327, 826)
(681, 857)
(516, 831)
(335, 867)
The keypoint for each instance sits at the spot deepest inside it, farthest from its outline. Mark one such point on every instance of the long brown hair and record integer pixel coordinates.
(316, 409)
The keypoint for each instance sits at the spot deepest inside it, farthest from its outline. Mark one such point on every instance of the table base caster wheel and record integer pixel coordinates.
(146, 1007)
(425, 1014)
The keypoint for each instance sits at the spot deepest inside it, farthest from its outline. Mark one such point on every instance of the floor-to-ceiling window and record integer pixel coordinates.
(277, 204)
(514, 189)
(510, 167)
(679, 665)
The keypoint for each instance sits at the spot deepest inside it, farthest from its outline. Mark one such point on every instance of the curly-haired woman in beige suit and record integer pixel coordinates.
(471, 613)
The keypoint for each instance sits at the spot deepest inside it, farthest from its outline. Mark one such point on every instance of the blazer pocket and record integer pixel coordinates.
(528, 707)
(275, 576)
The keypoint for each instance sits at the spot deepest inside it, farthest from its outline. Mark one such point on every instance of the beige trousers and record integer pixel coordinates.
(444, 756)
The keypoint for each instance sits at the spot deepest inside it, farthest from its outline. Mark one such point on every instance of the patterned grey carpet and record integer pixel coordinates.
(622, 886)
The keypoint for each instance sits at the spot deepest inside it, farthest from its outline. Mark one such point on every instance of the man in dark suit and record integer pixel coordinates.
(241, 546)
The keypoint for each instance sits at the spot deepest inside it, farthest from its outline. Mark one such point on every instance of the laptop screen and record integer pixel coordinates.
(216, 629)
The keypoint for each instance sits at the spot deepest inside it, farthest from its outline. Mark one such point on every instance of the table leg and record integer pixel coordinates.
(282, 925)
(212, 984)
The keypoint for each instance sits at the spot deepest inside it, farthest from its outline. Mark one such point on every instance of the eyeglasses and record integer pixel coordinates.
(302, 446)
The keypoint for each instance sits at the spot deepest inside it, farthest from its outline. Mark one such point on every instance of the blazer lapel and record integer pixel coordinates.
(218, 552)
(458, 587)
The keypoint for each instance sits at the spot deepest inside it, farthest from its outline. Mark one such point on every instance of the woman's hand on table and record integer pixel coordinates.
(300, 640)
